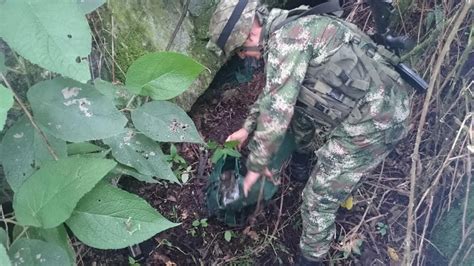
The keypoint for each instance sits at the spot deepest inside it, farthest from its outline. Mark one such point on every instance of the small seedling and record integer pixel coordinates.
(228, 235)
(382, 228)
(182, 170)
(228, 149)
(200, 223)
(132, 262)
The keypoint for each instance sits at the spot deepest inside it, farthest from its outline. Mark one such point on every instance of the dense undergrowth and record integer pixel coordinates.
(401, 212)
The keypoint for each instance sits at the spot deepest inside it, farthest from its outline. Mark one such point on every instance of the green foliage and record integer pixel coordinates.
(125, 170)
(179, 164)
(73, 111)
(56, 235)
(228, 235)
(132, 262)
(56, 183)
(382, 228)
(53, 34)
(90, 5)
(23, 151)
(200, 223)
(6, 102)
(166, 122)
(4, 260)
(109, 217)
(117, 93)
(3, 237)
(228, 149)
(141, 153)
(32, 252)
(49, 196)
(148, 76)
(82, 148)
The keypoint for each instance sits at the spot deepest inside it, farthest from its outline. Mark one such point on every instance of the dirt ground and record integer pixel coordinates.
(272, 236)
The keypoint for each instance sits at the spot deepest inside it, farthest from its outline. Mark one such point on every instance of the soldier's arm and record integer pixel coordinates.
(287, 62)
(251, 121)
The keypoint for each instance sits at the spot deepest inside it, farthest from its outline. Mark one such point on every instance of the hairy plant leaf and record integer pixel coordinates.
(23, 151)
(3, 237)
(49, 196)
(142, 153)
(53, 34)
(166, 122)
(162, 75)
(87, 6)
(56, 235)
(33, 252)
(117, 93)
(82, 148)
(4, 260)
(110, 218)
(3, 68)
(6, 102)
(73, 111)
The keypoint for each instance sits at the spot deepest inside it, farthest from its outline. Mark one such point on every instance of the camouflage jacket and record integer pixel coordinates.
(289, 51)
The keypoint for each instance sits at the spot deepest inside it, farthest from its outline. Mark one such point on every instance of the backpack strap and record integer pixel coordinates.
(330, 6)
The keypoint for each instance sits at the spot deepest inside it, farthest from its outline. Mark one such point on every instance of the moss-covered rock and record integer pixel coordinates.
(142, 27)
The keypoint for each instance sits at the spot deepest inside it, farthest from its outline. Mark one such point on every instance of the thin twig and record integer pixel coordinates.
(415, 155)
(3, 217)
(178, 26)
(30, 117)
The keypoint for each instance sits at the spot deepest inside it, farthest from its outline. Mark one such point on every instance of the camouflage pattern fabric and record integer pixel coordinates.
(240, 31)
(351, 149)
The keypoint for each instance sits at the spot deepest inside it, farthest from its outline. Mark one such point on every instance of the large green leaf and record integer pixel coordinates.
(4, 260)
(166, 122)
(117, 93)
(23, 151)
(125, 170)
(162, 75)
(33, 252)
(57, 235)
(142, 153)
(53, 34)
(6, 102)
(49, 196)
(110, 218)
(88, 6)
(3, 237)
(74, 111)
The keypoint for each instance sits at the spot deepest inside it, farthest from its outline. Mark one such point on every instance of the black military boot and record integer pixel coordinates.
(300, 167)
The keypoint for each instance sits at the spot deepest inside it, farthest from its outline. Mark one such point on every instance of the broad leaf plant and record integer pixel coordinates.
(76, 133)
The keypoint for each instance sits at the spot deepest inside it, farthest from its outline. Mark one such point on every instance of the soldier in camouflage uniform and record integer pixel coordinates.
(329, 86)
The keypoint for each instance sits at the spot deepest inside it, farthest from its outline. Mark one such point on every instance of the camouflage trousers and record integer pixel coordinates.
(341, 162)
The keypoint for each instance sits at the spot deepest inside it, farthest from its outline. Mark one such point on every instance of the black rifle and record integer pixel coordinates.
(382, 10)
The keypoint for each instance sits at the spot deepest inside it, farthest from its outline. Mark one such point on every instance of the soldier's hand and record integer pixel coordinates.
(240, 135)
(252, 177)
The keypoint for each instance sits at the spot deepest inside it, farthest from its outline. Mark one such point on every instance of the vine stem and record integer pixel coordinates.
(178, 26)
(416, 155)
(30, 117)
